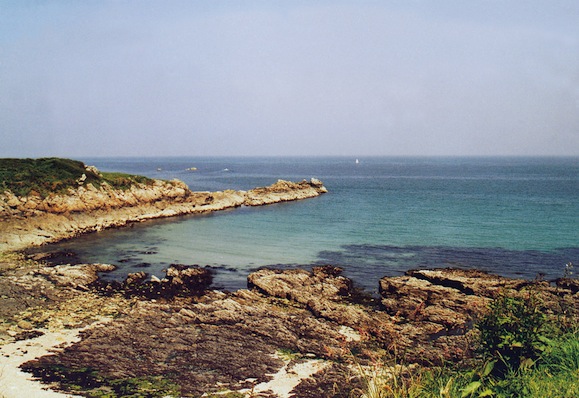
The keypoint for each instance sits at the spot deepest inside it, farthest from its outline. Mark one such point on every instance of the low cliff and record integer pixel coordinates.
(35, 219)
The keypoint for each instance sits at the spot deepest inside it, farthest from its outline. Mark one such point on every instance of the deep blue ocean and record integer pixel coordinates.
(517, 217)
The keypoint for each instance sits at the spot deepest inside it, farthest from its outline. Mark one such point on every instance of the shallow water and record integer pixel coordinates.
(512, 216)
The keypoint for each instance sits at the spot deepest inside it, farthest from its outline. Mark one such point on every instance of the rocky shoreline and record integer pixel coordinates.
(33, 220)
(181, 336)
(291, 333)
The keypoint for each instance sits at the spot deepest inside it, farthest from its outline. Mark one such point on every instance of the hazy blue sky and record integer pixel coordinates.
(97, 78)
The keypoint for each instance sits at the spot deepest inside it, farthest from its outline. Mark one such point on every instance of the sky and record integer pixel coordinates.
(289, 78)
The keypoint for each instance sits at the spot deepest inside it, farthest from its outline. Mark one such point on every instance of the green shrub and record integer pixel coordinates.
(513, 331)
(562, 354)
(124, 181)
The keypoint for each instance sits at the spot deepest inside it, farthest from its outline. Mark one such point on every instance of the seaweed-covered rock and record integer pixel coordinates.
(569, 284)
(180, 281)
(219, 341)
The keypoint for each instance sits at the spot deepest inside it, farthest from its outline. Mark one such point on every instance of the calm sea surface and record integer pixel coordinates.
(382, 216)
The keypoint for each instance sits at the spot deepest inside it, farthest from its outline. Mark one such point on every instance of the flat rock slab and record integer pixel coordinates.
(239, 341)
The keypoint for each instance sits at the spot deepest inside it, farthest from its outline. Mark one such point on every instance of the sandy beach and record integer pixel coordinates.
(14, 383)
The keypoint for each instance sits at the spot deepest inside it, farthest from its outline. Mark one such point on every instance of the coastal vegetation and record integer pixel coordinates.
(520, 350)
(55, 175)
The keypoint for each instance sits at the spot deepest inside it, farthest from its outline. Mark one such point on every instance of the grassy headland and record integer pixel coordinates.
(53, 175)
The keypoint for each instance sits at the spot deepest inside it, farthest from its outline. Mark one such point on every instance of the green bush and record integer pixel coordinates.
(124, 181)
(513, 332)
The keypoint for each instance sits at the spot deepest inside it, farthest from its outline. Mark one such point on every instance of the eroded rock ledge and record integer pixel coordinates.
(33, 220)
(208, 341)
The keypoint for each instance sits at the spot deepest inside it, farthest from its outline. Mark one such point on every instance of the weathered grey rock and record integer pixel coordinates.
(326, 294)
(75, 276)
(301, 285)
(469, 281)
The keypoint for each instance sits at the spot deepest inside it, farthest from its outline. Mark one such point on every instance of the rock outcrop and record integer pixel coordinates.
(283, 191)
(34, 220)
(207, 344)
(236, 341)
(433, 310)
(88, 198)
(179, 281)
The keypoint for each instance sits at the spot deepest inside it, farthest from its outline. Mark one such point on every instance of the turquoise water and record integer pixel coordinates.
(382, 216)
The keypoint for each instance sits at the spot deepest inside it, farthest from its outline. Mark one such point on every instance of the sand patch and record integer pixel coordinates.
(14, 383)
(290, 376)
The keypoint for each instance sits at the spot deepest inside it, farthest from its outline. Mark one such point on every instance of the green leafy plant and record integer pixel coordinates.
(512, 333)
(479, 379)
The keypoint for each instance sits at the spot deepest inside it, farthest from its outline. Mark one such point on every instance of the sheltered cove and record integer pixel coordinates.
(290, 332)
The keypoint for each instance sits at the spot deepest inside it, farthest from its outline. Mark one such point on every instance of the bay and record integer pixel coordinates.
(382, 216)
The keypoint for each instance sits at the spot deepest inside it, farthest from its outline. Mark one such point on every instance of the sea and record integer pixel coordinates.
(517, 217)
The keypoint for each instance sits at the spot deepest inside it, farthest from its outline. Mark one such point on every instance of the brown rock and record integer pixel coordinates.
(32, 221)
(180, 281)
(569, 284)
(25, 325)
(135, 278)
(192, 279)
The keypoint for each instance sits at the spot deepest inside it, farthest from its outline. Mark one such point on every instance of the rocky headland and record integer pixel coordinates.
(34, 219)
